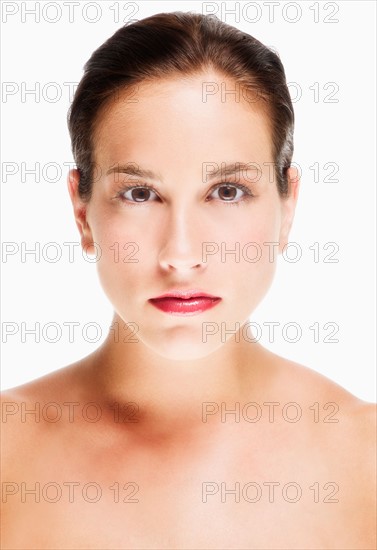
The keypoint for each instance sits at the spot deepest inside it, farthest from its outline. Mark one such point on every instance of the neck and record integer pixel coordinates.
(173, 395)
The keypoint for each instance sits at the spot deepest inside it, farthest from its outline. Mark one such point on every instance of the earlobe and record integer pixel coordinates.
(79, 209)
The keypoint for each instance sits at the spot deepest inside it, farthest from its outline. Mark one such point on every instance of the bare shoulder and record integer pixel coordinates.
(28, 410)
(342, 431)
(346, 426)
(58, 385)
(336, 414)
(46, 386)
(310, 385)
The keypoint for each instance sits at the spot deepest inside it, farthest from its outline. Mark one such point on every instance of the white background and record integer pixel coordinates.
(36, 53)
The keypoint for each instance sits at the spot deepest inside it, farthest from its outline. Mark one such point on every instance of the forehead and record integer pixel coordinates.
(202, 116)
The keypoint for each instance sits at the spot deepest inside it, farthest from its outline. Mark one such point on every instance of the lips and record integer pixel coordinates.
(185, 302)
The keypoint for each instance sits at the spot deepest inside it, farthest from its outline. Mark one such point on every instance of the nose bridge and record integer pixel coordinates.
(181, 242)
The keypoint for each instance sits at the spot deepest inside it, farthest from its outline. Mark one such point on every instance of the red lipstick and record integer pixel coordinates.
(188, 302)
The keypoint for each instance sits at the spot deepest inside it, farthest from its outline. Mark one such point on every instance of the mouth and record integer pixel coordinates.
(185, 302)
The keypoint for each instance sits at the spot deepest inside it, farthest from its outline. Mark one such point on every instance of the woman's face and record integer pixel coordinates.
(190, 229)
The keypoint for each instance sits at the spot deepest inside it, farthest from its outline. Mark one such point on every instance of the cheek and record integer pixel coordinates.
(253, 265)
(256, 232)
(122, 256)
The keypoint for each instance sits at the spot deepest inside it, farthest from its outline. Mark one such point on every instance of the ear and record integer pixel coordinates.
(80, 210)
(288, 206)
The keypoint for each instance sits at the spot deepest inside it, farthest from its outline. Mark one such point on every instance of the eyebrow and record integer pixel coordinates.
(132, 169)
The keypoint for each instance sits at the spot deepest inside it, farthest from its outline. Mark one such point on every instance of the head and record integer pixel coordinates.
(182, 132)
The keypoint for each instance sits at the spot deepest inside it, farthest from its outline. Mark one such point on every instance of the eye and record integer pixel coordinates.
(231, 192)
(136, 193)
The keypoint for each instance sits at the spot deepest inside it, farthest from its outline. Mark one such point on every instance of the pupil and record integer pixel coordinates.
(139, 194)
(227, 192)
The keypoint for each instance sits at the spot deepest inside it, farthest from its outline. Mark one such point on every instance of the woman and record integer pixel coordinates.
(181, 420)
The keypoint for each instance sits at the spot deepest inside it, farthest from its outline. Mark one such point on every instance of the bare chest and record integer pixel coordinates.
(223, 500)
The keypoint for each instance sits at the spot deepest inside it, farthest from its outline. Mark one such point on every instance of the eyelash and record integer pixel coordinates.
(124, 188)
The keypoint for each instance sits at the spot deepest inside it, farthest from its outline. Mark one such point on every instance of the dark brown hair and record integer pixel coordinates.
(179, 43)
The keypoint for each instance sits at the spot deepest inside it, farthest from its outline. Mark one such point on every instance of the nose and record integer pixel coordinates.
(181, 248)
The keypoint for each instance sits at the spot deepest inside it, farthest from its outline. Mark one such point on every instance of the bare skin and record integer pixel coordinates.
(135, 446)
(178, 464)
